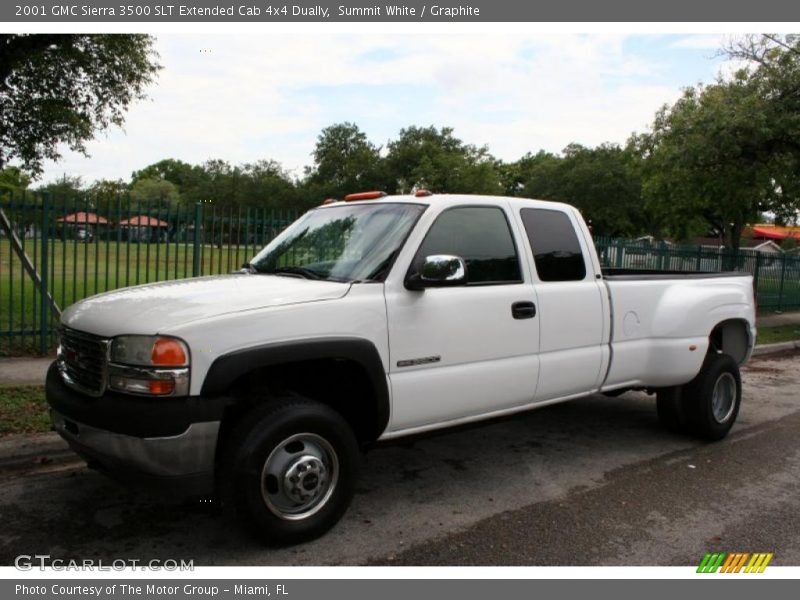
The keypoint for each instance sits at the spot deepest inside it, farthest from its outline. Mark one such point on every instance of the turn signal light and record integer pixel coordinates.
(168, 353)
(161, 387)
(364, 196)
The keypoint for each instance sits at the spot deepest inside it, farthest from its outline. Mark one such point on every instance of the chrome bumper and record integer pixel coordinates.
(188, 454)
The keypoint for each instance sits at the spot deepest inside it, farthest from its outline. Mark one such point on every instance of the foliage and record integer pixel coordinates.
(191, 180)
(63, 88)
(14, 180)
(726, 152)
(774, 74)
(68, 189)
(344, 161)
(156, 192)
(603, 182)
(107, 189)
(702, 158)
(434, 159)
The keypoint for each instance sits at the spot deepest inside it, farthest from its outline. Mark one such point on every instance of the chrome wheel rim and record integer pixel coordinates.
(723, 398)
(299, 476)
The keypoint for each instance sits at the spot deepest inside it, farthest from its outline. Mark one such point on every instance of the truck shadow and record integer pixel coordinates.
(409, 491)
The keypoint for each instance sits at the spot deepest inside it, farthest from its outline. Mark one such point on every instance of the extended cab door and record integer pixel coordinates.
(462, 351)
(573, 310)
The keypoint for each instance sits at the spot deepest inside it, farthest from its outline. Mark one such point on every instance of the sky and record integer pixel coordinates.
(246, 97)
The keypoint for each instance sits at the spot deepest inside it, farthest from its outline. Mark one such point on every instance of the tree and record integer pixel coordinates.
(13, 180)
(703, 158)
(157, 192)
(431, 158)
(602, 182)
(532, 176)
(345, 161)
(266, 184)
(64, 88)
(107, 189)
(774, 74)
(68, 190)
(726, 152)
(191, 180)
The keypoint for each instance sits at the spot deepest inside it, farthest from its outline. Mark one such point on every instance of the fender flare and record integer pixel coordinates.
(226, 369)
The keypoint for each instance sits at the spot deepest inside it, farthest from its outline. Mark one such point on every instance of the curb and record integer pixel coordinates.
(765, 349)
(20, 450)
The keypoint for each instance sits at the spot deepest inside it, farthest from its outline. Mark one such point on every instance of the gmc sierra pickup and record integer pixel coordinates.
(374, 318)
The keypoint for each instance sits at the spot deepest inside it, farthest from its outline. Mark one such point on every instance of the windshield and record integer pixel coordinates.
(343, 243)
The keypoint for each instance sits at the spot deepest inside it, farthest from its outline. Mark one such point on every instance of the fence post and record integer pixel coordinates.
(618, 258)
(44, 272)
(198, 221)
(783, 278)
(756, 270)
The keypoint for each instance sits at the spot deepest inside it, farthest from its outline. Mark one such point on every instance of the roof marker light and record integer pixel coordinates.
(328, 201)
(423, 193)
(364, 196)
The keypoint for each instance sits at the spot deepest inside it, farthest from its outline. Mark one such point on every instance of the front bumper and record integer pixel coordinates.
(154, 442)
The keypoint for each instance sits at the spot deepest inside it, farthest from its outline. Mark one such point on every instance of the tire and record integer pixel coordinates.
(290, 467)
(669, 404)
(711, 400)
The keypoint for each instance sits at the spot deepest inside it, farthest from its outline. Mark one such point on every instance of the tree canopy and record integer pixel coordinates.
(344, 160)
(724, 153)
(431, 158)
(63, 88)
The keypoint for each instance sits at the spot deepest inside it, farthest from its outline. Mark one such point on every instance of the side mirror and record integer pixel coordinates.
(438, 270)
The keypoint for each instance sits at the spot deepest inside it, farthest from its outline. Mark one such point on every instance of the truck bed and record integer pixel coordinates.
(656, 274)
(661, 322)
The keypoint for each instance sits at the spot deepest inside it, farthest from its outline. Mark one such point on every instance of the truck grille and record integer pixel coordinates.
(82, 360)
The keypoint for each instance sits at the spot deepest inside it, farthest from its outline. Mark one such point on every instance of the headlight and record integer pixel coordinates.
(151, 365)
(149, 351)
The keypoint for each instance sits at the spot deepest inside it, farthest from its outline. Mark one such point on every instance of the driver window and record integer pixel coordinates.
(479, 235)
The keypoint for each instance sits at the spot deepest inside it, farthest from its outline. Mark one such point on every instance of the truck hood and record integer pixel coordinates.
(152, 308)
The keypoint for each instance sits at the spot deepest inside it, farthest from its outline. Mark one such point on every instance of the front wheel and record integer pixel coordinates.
(711, 400)
(292, 468)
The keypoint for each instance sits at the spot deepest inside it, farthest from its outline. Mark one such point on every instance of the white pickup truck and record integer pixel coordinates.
(374, 318)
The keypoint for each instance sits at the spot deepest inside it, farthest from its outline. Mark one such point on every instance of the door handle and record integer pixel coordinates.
(523, 310)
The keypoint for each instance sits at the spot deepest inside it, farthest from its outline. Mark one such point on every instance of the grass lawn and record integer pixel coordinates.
(23, 409)
(781, 333)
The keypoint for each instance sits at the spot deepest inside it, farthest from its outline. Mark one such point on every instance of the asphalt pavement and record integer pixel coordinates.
(595, 481)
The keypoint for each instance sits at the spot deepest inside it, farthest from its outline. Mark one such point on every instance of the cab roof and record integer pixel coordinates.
(449, 200)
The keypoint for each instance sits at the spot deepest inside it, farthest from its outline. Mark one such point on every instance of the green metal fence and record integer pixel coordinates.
(776, 275)
(77, 247)
(72, 248)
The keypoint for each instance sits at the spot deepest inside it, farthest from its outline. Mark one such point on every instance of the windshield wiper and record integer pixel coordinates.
(295, 272)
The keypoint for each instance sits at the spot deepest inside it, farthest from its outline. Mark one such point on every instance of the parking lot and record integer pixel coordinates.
(591, 482)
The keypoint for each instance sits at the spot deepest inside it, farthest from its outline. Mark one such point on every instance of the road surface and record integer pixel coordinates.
(591, 482)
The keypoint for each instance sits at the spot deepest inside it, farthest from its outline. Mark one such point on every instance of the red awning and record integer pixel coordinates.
(775, 232)
(143, 221)
(83, 217)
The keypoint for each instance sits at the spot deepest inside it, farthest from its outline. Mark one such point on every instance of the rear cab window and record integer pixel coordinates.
(555, 246)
